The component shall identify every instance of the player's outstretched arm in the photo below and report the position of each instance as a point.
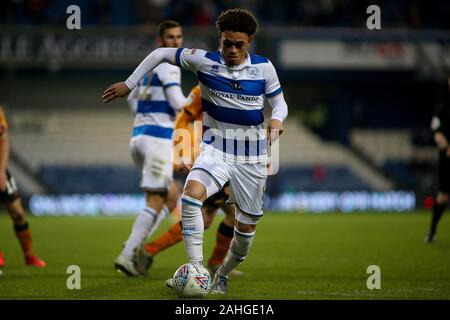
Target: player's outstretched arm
(156, 57)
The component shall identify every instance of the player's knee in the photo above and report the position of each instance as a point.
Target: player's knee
(171, 204)
(18, 218)
(195, 190)
(245, 228)
(244, 222)
(16, 212)
(229, 218)
(155, 200)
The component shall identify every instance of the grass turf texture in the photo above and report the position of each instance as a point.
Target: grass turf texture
(294, 256)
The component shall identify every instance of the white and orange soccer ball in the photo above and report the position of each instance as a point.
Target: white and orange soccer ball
(191, 281)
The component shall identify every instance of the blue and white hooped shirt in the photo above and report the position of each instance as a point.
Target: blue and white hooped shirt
(154, 115)
(233, 102)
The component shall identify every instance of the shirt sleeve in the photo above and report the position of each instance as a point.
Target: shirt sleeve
(169, 75)
(273, 86)
(279, 107)
(176, 98)
(190, 59)
(150, 62)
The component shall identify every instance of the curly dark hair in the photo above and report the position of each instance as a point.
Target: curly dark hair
(237, 20)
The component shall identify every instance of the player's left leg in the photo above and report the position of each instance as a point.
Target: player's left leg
(153, 156)
(247, 189)
(206, 178)
(438, 210)
(10, 198)
(2, 260)
(442, 197)
(158, 207)
(23, 232)
(224, 235)
(244, 233)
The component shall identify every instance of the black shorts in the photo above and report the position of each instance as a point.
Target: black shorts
(444, 173)
(12, 192)
(217, 199)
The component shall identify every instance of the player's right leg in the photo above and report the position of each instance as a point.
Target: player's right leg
(438, 210)
(174, 234)
(206, 178)
(194, 195)
(242, 241)
(2, 260)
(157, 183)
(10, 199)
(224, 236)
(247, 186)
(146, 253)
(442, 197)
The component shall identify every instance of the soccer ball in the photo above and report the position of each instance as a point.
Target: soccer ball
(191, 280)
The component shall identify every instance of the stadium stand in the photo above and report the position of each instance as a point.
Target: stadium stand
(394, 151)
(86, 151)
(68, 137)
(301, 147)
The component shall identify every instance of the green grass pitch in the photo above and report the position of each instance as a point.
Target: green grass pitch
(294, 256)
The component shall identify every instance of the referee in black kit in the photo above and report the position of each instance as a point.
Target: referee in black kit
(441, 128)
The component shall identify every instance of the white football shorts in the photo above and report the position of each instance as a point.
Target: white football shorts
(247, 181)
(154, 158)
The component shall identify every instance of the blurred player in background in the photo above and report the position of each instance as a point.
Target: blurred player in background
(233, 86)
(191, 113)
(155, 100)
(441, 127)
(9, 196)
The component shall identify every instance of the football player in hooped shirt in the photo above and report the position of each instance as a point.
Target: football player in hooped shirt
(233, 85)
(155, 100)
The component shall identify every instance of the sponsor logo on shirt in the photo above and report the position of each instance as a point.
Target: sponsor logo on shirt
(215, 68)
(233, 96)
(236, 85)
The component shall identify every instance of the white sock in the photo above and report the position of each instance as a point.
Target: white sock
(142, 226)
(161, 216)
(192, 226)
(239, 248)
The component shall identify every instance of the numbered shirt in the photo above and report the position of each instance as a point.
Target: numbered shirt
(154, 115)
(232, 100)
